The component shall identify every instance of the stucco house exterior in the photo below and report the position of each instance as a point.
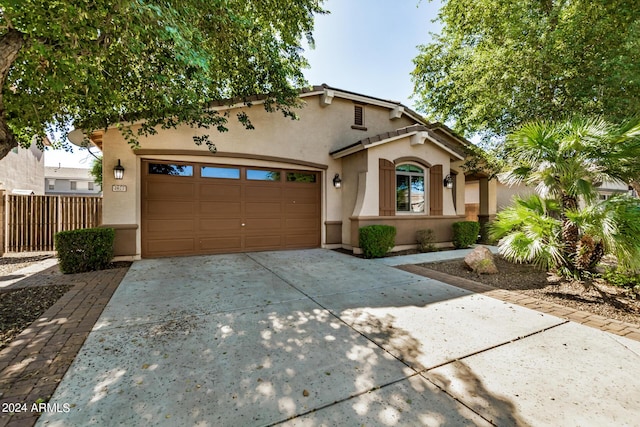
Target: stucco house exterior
(22, 171)
(350, 160)
(504, 194)
(65, 181)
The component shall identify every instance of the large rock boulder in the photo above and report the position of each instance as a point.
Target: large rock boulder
(480, 261)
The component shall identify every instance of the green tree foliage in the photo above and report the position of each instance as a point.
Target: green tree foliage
(564, 226)
(96, 170)
(499, 64)
(99, 63)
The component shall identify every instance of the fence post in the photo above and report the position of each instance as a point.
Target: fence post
(3, 224)
(58, 214)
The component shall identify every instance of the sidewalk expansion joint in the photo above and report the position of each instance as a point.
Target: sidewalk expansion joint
(484, 350)
(460, 401)
(611, 337)
(335, 402)
(416, 372)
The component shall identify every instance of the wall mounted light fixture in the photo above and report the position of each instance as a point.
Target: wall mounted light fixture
(118, 171)
(337, 182)
(448, 181)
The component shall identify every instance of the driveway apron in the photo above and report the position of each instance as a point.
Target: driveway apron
(315, 337)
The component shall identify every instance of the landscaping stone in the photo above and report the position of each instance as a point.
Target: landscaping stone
(480, 261)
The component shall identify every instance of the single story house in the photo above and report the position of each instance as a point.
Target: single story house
(349, 161)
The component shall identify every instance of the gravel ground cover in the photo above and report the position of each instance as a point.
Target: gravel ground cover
(23, 302)
(10, 263)
(609, 301)
(20, 307)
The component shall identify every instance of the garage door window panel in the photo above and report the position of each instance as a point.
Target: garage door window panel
(301, 177)
(263, 175)
(220, 173)
(170, 169)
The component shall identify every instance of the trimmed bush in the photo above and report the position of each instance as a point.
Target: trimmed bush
(465, 233)
(377, 240)
(83, 250)
(425, 240)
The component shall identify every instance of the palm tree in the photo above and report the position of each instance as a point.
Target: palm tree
(566, 162)
(529, 232)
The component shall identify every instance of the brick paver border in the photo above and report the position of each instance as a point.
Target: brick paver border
(33, 365)
(628, 330)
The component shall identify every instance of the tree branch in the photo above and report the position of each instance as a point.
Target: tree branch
(10, 45)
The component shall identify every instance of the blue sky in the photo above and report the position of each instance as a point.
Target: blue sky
(368, 46)
(364, 46)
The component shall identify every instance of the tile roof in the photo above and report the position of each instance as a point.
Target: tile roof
(457, 146)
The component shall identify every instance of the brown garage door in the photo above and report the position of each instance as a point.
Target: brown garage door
(191, 208)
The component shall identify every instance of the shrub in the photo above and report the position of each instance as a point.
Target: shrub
(377, 240)
(425, 240)
(83, 250)
(465, 233)
(627, 280)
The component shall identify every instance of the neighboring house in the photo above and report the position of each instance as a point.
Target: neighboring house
(608, 189)
(22, 171)
(349, 161)
(504, 194)
(70, 182)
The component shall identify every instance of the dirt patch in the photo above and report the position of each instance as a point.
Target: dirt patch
(28, 299)
(21, 307)
(613, 302)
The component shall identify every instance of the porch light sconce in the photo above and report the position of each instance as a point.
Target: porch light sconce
(448, 181)
(118, 171)
(337, 182)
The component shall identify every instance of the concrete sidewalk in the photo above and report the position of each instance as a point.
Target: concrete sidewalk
(320, 338)
(429, 256)
(17, 278)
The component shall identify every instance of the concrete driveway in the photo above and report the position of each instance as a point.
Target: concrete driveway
(315, 338)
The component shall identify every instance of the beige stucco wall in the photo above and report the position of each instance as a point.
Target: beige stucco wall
(354, 171)
(23, 170)
(472, 192)
(460, 194)
(400, 148)
(275, 141)
(361, 198)
(505, 194)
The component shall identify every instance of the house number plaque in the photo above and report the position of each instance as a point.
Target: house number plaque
(120, 188)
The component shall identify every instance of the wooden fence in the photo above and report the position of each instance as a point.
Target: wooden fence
(32, 221)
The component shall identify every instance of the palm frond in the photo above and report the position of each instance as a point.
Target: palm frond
(527, 233)
(569, 157)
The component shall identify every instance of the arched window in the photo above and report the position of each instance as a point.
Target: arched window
(410, 189)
